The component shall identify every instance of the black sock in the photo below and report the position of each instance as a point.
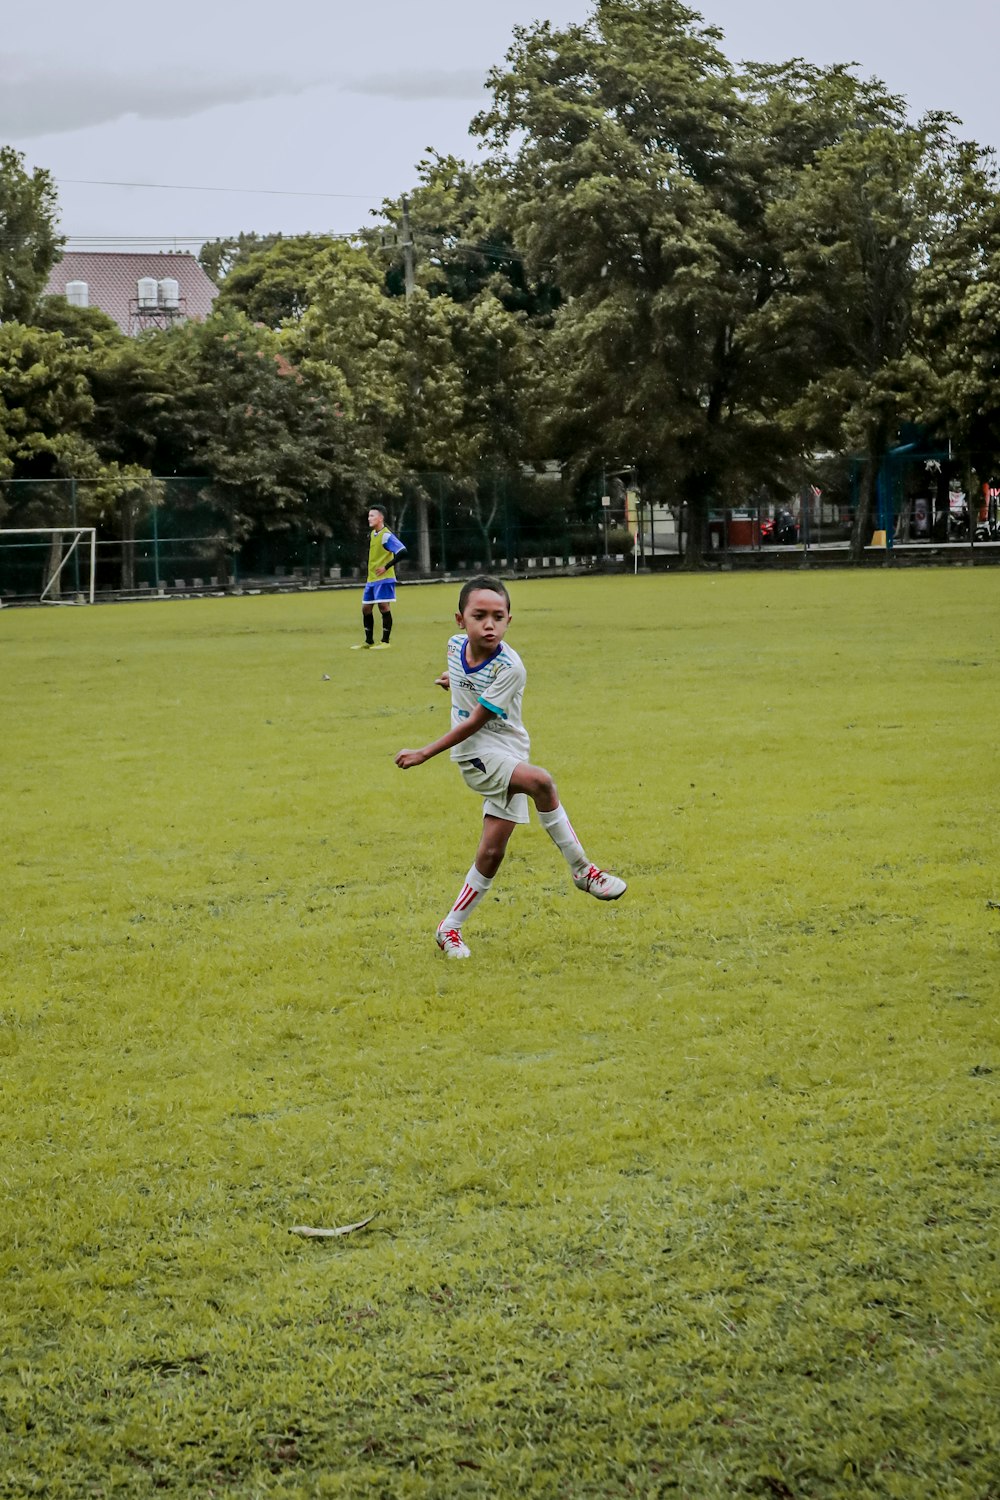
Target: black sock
(369, 624)
(386, 625)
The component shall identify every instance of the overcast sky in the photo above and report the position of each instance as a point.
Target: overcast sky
(338, 100)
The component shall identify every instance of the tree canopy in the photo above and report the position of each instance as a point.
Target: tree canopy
(679, 205)
(29, 244)
(272, 285)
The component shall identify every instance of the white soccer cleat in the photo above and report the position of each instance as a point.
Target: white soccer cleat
(600, 883)
(449, 940)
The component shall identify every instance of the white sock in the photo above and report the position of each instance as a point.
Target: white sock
(468, 898)
(560, 831)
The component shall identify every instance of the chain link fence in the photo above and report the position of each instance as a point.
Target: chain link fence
(174, 536)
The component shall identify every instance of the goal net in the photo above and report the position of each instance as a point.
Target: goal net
(52, 564)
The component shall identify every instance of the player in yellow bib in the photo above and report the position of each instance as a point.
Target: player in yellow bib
(380, 588)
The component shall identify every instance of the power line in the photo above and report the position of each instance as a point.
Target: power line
(146, 240)
(191, 187)
(492, 249)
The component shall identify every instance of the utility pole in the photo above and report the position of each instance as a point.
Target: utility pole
(410, 284)
(409, 278)
(605, 507)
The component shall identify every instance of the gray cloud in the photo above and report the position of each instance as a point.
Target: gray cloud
(39, 100)
(421, 83)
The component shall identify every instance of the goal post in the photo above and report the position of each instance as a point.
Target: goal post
(58, 544)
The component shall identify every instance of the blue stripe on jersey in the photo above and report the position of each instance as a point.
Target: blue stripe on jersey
(492, 708)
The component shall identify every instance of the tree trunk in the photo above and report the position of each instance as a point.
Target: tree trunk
(52, 573)
(485, 524)
(128, 543)
(423, 534)
(694, 488)
(971, 486)
(868, 496)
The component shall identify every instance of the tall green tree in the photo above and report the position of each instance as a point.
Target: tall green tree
(429, 384)
(862, 227)
(471, 372)
(134, 388)
(125, 380)
(469, 338)
(45, 405)
(957, 308)
(29, 244)
(264, 431)
(52, 435)
(351, 339)
(641, 167)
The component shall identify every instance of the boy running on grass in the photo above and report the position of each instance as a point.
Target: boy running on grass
(490, 744)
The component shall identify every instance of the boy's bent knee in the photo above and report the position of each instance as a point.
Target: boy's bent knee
(537, 784)
(544, 784)
(534, 781)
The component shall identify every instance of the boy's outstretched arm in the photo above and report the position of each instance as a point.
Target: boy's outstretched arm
(479, 716)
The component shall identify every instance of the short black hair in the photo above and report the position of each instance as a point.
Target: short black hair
(483, 581)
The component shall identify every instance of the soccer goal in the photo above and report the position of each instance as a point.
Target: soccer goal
(37, 558)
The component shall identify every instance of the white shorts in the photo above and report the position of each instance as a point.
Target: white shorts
(489, 776)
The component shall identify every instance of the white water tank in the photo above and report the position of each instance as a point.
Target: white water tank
(170, 293)
(78, 294)
(147, 291)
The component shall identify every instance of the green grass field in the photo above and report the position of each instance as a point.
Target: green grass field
(691, 1195)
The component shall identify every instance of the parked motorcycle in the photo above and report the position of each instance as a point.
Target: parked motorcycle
(786, 531)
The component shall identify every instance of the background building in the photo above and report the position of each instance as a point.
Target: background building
(138, 290)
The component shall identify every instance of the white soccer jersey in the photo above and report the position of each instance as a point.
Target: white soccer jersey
(497, 683)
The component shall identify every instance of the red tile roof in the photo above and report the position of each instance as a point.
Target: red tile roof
(111, 278)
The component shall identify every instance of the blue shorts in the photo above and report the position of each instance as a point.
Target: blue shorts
(382, 591)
